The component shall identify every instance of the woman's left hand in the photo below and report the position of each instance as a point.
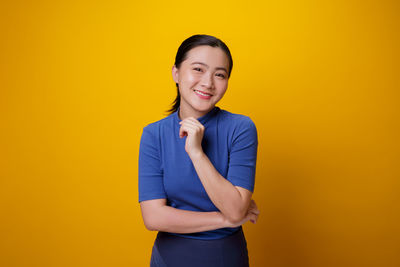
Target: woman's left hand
(194, 131)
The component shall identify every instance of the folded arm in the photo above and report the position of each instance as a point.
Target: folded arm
(232, 201)
(157, 216)
(229, 194)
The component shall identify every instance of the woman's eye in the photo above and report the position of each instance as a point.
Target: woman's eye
(197, 69)
(221, 75)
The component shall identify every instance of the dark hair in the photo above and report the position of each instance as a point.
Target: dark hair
(190, 43)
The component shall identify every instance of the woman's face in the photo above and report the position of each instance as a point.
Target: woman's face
(202, 78)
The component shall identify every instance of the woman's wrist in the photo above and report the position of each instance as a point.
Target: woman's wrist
(226, 223)
(195, 155)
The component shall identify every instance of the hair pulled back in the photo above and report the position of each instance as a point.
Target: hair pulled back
(187, 45)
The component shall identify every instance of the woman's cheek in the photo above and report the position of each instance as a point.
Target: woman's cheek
(192, 78)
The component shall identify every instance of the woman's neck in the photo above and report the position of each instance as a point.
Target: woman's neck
(183, 113)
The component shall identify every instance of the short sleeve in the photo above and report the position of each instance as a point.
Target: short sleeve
(243, 155)
(151, 184)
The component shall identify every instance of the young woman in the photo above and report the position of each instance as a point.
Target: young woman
(197, 166)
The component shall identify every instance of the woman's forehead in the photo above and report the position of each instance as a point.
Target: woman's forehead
(212, 56)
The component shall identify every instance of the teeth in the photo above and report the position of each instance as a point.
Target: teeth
(200, 93)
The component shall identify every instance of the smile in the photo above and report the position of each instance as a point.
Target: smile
(202, 94)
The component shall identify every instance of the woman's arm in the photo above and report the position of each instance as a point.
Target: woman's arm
(233, 201)
(157, 216)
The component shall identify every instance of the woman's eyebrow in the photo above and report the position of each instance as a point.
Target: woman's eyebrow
(204, 64)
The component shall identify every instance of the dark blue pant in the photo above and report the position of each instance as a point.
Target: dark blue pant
(175, 251)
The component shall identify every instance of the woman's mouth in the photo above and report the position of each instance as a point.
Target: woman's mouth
(202, 95)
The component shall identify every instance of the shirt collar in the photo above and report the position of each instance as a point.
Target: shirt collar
(203, 119)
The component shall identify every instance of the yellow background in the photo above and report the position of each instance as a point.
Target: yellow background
(80, 79)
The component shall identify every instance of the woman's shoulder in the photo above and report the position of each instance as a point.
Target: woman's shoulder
(155, 125)
(236, 119)
(238, 127)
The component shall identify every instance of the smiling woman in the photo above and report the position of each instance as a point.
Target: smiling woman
(202, 76)
(197, 166)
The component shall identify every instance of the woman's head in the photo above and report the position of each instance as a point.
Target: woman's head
(203, 65)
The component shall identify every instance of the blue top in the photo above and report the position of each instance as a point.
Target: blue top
(166, 170)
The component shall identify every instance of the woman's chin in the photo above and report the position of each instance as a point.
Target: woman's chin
(204, 105)
(204, 108)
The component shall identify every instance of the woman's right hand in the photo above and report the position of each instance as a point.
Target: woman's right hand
(251, 215)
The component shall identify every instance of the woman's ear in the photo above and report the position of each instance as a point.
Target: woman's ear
(175, 73)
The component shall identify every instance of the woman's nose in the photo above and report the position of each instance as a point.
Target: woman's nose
(207, 80)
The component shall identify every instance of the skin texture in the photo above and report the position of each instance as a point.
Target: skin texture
(204, 69)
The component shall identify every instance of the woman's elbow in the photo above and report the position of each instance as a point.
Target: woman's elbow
(236, 217)
(155, 222)
(150, 224)
(150, 227)
(150, 213)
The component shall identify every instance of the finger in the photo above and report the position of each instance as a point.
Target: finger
(253, 203)
(252, 206)
(193, 123)
(183, 131)
(256, 216)
(190, 128)
(199, 126)
(186, 130)
(253, 218)
(255, 211)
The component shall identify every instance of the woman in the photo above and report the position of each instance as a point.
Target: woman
(197, 166)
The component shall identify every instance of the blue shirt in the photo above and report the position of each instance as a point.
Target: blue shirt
(166, 170)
